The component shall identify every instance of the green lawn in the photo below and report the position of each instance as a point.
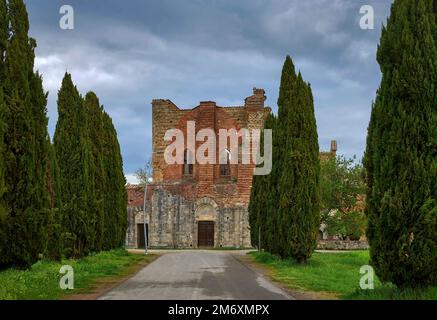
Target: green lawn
(42, 280)
(337, 274)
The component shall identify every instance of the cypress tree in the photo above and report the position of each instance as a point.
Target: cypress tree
(299, 168)
(97, 174)
(3, 210)
(285, 204)
(4, 32)
(285, 100)
(401, 154)
(3, 41)
(262, 199)
(54, 230)
(42, 140)
(256, 194)
(25, 148)
(73, 157)
(115, 195)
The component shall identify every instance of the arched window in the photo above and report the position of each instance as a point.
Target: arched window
(225, 163)
(188, 163)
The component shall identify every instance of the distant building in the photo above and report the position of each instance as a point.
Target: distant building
(331, 153)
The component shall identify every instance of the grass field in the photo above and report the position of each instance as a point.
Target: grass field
(337, 274)
(41, 282)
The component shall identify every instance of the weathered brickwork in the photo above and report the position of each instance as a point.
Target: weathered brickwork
(177, 202)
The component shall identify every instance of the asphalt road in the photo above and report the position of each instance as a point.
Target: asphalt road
(196, 275)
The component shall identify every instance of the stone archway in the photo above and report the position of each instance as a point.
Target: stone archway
(206, 214)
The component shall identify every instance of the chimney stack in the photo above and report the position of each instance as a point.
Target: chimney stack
(256, 101)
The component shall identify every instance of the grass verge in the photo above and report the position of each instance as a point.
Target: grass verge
(337, 274)
(41, 281)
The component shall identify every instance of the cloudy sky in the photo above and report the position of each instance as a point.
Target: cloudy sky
(130, 52)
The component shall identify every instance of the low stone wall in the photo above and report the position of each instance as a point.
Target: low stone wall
(342, 245)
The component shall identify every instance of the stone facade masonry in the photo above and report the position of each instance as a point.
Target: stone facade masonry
(342, 245)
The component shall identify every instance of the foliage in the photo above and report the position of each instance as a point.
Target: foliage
(52, 196)
(401, 156)
(73, 156)
(286, 203)
(91, 168)
(3, 209)
(347, 224)
(54, 246)
(261, 205)
(25, 155)
(336, 275)
(94, 113)
(144, 174)
(41, 281)
(115, 194)
(341, 185)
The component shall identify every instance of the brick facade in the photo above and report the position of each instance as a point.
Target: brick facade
(177, 201)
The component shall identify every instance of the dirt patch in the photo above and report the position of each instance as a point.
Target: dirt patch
(267, 271)
(103, 285)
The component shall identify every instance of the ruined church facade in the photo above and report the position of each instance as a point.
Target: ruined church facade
(196, 205)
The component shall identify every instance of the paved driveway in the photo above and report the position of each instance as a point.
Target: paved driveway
(197, 275)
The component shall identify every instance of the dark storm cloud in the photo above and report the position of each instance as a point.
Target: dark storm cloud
(130, 52)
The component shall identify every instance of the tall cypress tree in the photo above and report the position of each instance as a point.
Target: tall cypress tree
(26, 151)
(282, 136)
(97, 174)
(299, 168)
(401, 155)
(3, 42)
(286, 203)
(115, 191)
(73, 157)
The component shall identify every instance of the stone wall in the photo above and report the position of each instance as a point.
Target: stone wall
(342, 245)
(173, 221)
(135, 216)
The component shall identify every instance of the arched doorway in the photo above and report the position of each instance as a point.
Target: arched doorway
(206, 227)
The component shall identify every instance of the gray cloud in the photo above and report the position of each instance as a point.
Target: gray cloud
(130, 52)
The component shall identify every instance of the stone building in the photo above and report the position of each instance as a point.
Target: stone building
(196, 205)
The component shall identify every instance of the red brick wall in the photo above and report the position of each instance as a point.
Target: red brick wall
(206, 179)
(135, 196)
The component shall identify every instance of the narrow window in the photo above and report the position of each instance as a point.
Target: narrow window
(188, 166)
(225, 168)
